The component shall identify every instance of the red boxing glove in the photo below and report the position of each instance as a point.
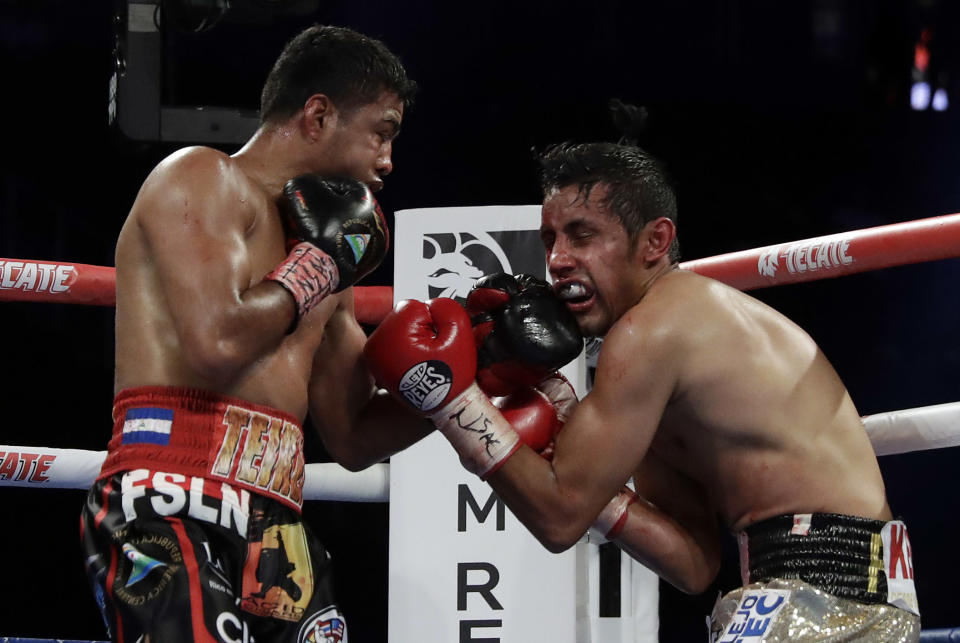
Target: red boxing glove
(538, 413)
(424, 354)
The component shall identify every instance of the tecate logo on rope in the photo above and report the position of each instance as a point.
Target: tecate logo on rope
(803, 257)
(36, 277)
(25, 466)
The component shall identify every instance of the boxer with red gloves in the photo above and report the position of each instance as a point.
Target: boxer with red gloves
(337, 235)
(727, 416)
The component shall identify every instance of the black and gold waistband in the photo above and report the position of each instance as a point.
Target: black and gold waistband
(841, 555)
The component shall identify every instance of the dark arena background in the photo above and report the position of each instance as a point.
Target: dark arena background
(778, 121)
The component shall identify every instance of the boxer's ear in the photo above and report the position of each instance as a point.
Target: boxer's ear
(319, 116)
(656, 239)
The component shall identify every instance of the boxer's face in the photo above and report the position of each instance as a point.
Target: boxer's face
(361, 142)
(589, 256)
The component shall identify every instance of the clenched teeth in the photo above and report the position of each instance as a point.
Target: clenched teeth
(572, 290)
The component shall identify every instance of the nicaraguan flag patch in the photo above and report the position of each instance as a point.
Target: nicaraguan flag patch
(147, 426)
(358, 243)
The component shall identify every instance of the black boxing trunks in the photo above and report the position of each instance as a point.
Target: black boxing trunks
(821, 577)
(192, 531)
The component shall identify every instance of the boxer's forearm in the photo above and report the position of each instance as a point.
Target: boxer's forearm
(385, 427)
(555, 514)
(375, 432)
(687, 557)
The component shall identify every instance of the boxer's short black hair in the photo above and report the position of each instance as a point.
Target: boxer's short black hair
(350, 68)
(638, 188)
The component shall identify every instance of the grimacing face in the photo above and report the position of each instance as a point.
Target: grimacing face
(361, 145)
(589, 256)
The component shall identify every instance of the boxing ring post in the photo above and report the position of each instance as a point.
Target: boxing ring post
(474, 579)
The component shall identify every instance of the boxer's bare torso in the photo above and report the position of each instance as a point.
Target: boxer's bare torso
(202, 233)
(722, 410)
(194, 309)
(757, 417)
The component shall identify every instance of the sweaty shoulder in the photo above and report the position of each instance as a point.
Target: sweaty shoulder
(192, 182)
(680, 314)
(672, 308)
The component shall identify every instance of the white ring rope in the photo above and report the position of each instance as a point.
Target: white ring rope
(926, 427)
(42, 467)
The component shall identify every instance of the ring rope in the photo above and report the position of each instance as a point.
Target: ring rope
(85, 284)
(928, 427)
(43, 467)
(806, 260)
(834, 255)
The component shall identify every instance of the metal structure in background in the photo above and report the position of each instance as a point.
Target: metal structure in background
(136, 91)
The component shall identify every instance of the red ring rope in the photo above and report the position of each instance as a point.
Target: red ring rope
(897, 244)
(79, 283)
(786, 263)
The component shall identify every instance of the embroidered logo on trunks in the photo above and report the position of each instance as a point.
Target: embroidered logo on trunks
(261, 452)
(327, 626)
(172, 494)
(147, 426)
(141, 575)
(755, 615)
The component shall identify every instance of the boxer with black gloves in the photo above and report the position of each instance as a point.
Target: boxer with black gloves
(234, 318)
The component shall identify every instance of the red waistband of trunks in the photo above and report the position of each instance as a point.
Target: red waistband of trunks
(202, 433)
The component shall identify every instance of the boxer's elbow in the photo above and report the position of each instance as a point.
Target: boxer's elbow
(214, 358)
(353, 459)
(558, 545)
(698, 580)
(698, 573)
(559, 533)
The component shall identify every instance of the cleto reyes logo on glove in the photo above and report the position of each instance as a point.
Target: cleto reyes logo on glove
(425, 385)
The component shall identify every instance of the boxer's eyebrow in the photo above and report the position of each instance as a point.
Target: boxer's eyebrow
(394, 123)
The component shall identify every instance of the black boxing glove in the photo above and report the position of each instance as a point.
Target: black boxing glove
(522, 330)
(337, 235)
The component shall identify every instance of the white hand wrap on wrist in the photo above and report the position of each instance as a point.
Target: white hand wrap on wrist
(474, 426)
(559, 392)
(611, 520)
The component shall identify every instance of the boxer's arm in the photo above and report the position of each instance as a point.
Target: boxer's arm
(602, 443)
(671, 528)
(194, 224)
(358, 424)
